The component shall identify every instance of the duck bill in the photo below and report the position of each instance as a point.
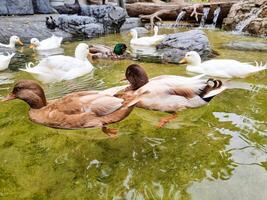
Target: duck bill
(123, 79)
(32, 46)
(11, 96)
(183, 61)
(19, 42)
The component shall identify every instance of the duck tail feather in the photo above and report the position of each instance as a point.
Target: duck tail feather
(28, 67)
(213, 87)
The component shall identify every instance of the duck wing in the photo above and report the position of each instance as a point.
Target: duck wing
(52, 42)
(77, 110)
(229, 68)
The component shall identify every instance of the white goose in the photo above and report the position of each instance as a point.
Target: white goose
(5, 60)
(143, 41)
(59, 67)
(53, 42)
(224, 68)
(12, 42)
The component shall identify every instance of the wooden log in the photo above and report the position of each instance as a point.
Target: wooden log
(136, 9)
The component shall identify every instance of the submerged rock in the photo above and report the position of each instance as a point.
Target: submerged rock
(247, 46)
(174, 46)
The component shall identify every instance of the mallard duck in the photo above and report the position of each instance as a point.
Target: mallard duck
(53, 42)
(102, 51)
(77, 110)
(59, 67)
(169, 93)
(5, 60)
(143, 41)
(50, 23)
(156, 30)
(12, 42)
(224, 68)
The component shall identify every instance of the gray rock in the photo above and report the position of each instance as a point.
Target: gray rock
(27, 27)
(3, 7)
(21, 7)
(43, 7)
(93, 30)
(101, 18)
(174, 46)
(247, 46)
(133, 22)
(111, 16)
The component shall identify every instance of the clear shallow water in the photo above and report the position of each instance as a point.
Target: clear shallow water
(214, 152)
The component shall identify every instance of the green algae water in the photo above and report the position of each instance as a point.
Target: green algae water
(215, 152)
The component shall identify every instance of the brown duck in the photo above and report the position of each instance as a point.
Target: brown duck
(78, 110)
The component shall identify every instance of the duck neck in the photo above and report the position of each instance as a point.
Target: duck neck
(195, 62)
(156, 32)
(12, 43)
(35, 100)
(134, 35)
(80, 55)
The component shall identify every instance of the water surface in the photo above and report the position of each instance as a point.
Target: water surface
(215, 151)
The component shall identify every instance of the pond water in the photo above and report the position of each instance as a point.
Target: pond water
(215, 152)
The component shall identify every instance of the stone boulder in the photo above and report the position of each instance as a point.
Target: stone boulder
(247, 46)
(112, 17)
(43, 7)
(94, 20)
(248, 16)
(15, 7)
(80, 25)
(174, 46)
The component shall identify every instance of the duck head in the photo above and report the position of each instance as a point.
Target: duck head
(34, 43)
(82, 51)
(156, 30)
(137, 76)
(120, 48)
(14, 40)
(30, 92)
(192, 58)
(133, 33)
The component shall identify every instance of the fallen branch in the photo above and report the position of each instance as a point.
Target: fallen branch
(154, 16)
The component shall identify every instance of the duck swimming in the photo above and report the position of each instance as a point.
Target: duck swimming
(53, 42)
(144, 41)
(77, 110)
(156, 30)
(12, 42)
(5, 60)
(169, 93)
(59, 67)
(104, 52)
(224, 68)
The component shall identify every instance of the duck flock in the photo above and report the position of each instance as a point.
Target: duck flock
(87, 109)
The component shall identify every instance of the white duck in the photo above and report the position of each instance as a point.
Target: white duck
(156, 30)
(59, 67)
(53, 42)
(5, 60)
(12, 42)
(143, 41)
(224, 68)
